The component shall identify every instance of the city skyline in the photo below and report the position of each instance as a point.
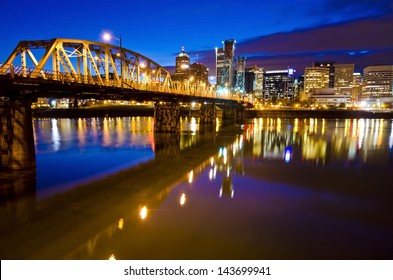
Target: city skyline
(270, 34)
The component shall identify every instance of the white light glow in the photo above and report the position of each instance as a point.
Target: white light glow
(143, 212)
(182, 199)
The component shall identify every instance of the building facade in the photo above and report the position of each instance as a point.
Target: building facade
(378, 83)
(343, 79)
(188, 75)
(182, 66)
(329, 65)
(315, 78)
(224, 67)
(279, 84)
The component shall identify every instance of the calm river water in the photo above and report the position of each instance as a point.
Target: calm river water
(271, 188)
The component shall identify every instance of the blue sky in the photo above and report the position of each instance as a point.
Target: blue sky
(272, 34)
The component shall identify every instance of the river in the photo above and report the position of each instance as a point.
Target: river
(271, 188)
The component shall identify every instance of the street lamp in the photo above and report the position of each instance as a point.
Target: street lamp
(107, 37)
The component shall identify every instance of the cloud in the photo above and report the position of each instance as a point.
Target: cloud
(363, 42)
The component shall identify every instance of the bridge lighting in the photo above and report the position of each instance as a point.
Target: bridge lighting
(142, 65)
(107, 38)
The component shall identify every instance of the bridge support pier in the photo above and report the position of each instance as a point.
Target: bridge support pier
(16, 134)
(233, 113)
(208, 113)
(167, 117)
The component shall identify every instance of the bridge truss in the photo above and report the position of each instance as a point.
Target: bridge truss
(96, 64)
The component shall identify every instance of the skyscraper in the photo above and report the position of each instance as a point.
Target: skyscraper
(220, 57)
(182, 66)
(224, 66)
(241, 74)
(254, 81)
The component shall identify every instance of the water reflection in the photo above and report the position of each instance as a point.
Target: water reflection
(273, 188)
(71, 152)
(17, 199)
(322, 141)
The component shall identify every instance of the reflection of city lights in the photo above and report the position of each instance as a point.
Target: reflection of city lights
(361, 132)
(211, 172)
(190, 176)
(288, 154)
(143, 212)
(193, 125)
(225, 154)
(182, 199)
(55, 135)
(391, 137)
(120, 225)
(112, 257)
(211, 161)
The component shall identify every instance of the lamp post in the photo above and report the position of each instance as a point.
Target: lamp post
(107, 37)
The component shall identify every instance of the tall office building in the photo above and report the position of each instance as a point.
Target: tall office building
(357, 85)
(343, 78)
(182, 66)
(315, 78)
(279, 83)
(199, 71)
(220, 58)
(329, 65)
(241, 75)
(186, 73)
(224, 67)
(299, 88)
(254, 81)
(378, 83)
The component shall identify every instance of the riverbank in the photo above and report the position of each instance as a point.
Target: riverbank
(329, 114)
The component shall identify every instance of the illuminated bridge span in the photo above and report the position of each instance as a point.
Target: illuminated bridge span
(82, 69)
(91, 68)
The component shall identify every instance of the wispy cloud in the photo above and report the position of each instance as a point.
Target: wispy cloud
(363, 42)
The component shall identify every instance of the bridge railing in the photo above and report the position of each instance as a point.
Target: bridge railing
(26, 72)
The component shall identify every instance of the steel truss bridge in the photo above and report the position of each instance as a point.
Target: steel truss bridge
(86, 69)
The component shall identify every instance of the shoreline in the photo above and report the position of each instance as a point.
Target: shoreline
(148, 111)
(328, 114)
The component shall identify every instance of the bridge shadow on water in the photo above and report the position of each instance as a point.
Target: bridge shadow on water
(69, 225)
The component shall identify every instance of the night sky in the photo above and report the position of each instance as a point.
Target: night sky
(271, 34)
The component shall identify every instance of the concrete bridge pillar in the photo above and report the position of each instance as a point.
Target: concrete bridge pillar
(16, 134)
(167, 117)
(235, 113)
(208, 113)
